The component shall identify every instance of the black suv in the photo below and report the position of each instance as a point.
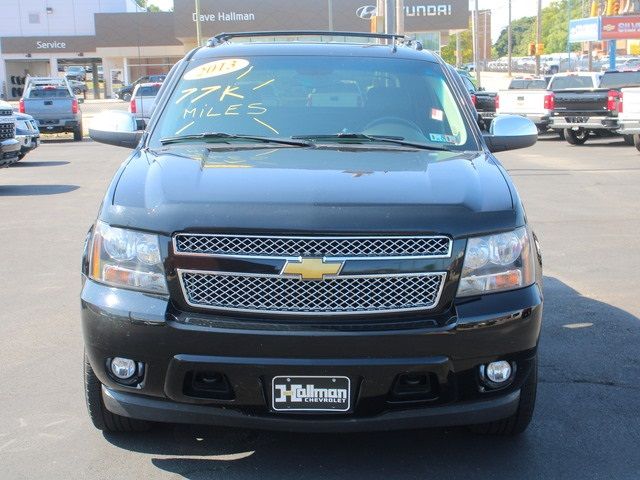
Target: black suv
(312, 236)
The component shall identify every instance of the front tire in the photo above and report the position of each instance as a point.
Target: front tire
(576, 137)
(102, 418)
(126, 97)
(628, 139)
(636, 141)
(519, 421)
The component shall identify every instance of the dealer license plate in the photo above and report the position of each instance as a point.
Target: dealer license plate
(317, 394)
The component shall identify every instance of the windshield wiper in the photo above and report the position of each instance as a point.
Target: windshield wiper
(226, 137)
(372, 138)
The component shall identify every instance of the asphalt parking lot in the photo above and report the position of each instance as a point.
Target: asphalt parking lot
(584, 205)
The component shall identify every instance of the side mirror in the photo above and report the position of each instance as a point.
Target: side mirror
(115, 127)
(509, 132)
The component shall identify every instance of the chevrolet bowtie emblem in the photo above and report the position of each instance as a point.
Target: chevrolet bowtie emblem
(311, 268)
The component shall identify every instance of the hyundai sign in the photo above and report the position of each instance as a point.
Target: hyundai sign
(585, 30)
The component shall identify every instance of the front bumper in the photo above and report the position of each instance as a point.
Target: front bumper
(463, 413)
(9, 150)
(586, 122)
(172, 344)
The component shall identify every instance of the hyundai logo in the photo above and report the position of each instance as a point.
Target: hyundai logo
(366, 11)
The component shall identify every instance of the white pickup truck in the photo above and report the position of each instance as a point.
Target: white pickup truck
(538, 104)
(143, 100)
(527, 97)
(629, 113)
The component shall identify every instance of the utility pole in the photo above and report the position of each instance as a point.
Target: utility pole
(538, 36)
(198, 27)
(484, 34)
(509, 46)
(458, 56)
(474, 34)
(330, 8)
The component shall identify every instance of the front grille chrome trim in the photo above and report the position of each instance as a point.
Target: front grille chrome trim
(440, 276)
(381, 238)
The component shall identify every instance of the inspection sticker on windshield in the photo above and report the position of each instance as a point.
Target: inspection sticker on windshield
(441, 138)
(437, 114)
(217, 68)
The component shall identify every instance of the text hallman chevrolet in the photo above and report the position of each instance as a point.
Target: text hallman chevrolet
(312, 236)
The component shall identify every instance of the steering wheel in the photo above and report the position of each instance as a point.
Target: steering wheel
(394, 121)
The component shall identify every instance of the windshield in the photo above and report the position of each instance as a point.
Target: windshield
(571, 81)
(527, 84)
(288, 96)
(620, 80)
(49, 92)
(148, 91)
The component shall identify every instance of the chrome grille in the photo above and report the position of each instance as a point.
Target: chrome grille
(6, 112)
(7, 130)
(334, 295)
(273, 246)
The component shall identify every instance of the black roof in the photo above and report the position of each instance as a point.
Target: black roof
(309, 48)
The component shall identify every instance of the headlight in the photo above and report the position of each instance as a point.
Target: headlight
(127, 258)
(497, 262)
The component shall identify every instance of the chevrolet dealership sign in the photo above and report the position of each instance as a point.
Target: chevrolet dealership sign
(217, 16)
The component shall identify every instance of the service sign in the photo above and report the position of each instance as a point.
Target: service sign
(621, 28)
(585, 30)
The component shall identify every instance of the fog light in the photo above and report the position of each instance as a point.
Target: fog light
(499, 372)
(123, 368)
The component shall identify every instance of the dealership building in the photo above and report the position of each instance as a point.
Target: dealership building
(41, 37)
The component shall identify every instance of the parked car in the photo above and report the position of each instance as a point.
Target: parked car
(9, 146)
(53, 105)
(27, 134)
(529, 98)
(261, 262)
(77, 87)
(593, 107)
(143, 100)
(127, 90)
(629, 113)
(483, 101)
(76, 72)
(466, 73)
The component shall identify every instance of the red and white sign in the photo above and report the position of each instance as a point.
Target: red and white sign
(621, 28)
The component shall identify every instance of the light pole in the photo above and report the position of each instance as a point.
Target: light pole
(538, 36)
(198, 30)
(474, 34)
(400, 17)
(509, 47)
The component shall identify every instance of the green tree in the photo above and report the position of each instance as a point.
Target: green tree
(145, 4)
(555, 29)
(448, 52)
(520, 37)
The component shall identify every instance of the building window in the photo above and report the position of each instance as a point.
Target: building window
(34, 18)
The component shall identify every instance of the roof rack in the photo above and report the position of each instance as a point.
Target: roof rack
(225, 37)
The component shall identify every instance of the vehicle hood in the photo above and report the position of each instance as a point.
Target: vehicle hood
(303, 190)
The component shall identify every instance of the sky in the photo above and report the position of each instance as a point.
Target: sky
(499, 10)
